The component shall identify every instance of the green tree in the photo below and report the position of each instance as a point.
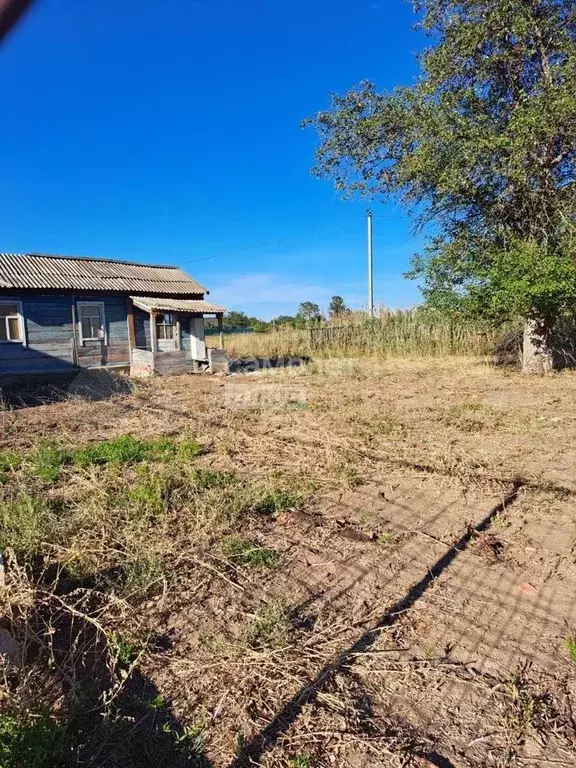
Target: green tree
(337, 307)
(309, 311)
(284, 320)
(235, 319)
(483, 147)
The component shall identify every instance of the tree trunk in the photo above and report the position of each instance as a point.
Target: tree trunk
(536, 354)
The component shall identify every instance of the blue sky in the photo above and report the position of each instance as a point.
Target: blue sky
(169, 131)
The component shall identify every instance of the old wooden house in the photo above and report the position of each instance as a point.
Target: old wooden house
(61, 314)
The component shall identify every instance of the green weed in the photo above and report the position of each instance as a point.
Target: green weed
(300, 761)
(125, 650)
(472, 417)
(271, 501)
(570, 645)
(30, 741)
(270, 627)
(205, 479)
(142, 577)
(243, 552)
(10, 461)
(157, 703)
(190, 740)
(47, 462)
(25, 522)
(385, 539)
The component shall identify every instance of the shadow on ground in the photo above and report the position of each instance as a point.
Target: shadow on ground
(104, 712)
(251, 751)
(251, 364)
(92, 386)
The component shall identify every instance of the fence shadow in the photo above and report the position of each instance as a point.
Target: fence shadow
(252, 750)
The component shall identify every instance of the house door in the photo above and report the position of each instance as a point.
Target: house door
(166, 332)
(197, 343)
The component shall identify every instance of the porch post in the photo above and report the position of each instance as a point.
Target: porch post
(131, 328)
(220, 330)
(153, 342)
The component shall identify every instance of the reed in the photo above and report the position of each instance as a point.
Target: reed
(390, 334)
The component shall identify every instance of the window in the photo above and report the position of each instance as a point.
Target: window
(164, 326)
(11, 326)
(91, 319)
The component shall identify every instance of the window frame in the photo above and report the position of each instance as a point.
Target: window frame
(171, 325)
(100, 305)
(20, 315)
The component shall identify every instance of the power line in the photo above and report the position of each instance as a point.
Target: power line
(280, 240)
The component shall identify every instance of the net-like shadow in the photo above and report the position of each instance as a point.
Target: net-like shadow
(253, 749)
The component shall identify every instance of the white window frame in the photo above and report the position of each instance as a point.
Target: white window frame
(18, 304)
(100, 304)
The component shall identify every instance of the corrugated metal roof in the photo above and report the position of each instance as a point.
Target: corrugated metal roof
(175, 305)
(32, 270)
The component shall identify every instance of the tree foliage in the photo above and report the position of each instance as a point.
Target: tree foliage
(309, 311)
(337, 307)
(482, 146)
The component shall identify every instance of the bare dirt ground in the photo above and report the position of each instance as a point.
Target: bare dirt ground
(424, 596)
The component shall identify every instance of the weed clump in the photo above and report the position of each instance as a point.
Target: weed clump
(270, 627)
(271, 501)
(129, 450)
(570, 644)
(243, 552)
(30, 741)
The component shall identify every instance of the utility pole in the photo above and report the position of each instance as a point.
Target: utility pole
(370, 266)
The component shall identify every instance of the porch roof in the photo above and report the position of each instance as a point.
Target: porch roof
(168, 304)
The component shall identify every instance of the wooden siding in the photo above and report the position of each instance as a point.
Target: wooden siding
(172, 362)
(49, 335)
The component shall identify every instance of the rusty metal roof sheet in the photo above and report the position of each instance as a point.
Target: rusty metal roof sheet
(34, 270)
(176, 305)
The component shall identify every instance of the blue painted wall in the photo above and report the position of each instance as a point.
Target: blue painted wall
(50, 338)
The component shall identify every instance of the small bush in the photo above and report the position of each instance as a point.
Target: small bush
(243, 552)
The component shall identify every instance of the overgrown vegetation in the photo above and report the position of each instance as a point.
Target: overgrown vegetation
(105, 523)
(390, 334)
(482, 145)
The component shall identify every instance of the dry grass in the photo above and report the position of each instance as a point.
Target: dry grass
(390, 334)
(172, 592)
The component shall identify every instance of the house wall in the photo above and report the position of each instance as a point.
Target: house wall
(142, 329)
(50, 339)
